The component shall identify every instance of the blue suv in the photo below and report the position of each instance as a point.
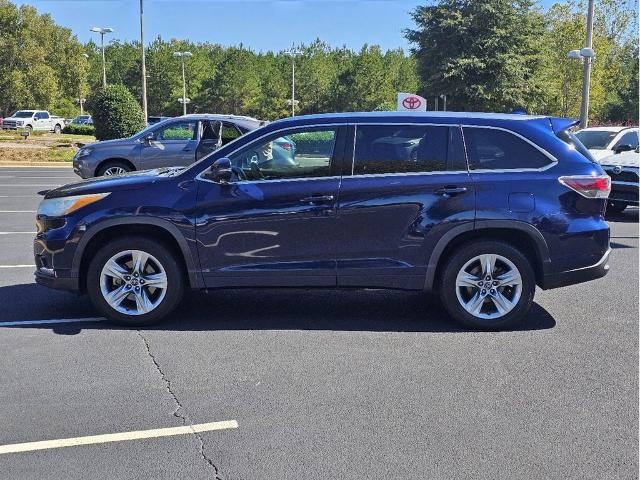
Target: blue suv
(478, 208)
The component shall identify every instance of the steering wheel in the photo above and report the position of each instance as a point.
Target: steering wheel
(239, 173)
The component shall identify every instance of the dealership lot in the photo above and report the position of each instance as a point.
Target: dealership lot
(322, 384)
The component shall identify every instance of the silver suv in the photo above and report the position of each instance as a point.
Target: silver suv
(175, 142)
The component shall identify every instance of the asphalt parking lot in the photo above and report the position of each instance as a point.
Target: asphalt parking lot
(322, 384)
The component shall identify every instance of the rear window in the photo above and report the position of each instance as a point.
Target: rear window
(572, 139)
(492, 149)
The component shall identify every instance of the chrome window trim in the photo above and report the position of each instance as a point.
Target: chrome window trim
(286, 129)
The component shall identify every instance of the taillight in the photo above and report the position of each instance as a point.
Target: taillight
(286, 146)
(590, 187)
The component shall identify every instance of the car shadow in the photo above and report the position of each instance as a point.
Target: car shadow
(629, 215)
(261, 309)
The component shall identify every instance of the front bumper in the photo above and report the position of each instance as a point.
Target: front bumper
(624, 192)
(579, 275)
(51, 280)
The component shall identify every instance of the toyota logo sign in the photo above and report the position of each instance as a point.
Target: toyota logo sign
(411, 103)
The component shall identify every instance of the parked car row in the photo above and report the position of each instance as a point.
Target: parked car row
(477, 208)
(616, 149)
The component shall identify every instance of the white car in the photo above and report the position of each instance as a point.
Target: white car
(603, 141)
(623, 170)
(34, 120)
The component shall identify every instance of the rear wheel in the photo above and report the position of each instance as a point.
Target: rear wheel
(113, 168)
(135, 281)
(487, 285)
(616, 207)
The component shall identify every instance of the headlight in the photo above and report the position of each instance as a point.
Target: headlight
(19, 122)
(58, 207)
(83, 152)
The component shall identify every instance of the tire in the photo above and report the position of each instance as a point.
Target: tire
(616, 207)
(126, 288)
(454, 289)
(57, 129)
(113, 167)
(28, 128)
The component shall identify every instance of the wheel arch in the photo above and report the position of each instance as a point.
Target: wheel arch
(113, 159)
(155, 228)
(521, 235)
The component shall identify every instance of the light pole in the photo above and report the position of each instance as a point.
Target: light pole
(293, 53)
(102, 32)
(81, 79)
(144, 66)
(184, 100)
(587, 55)
(443, 96)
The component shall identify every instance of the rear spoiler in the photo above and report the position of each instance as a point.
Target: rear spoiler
(559, 124)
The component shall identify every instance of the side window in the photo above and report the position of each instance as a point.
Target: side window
(491, 149)
(300, 154)
(406, 148)
(42, 115)
(229, 133)
(182, 131)
(629, 138)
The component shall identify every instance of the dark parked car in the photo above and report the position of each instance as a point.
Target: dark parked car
(176, 141)
(82, 120)
(481, 209)
(623, 169)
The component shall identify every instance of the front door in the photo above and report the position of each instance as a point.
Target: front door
(173, 145)
(274, 223)
(410, 185)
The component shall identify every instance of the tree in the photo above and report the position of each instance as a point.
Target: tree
(116, 113)
(482, 53)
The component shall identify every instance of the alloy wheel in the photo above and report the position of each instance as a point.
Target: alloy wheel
(133, 282)
(489, 286)
(114, 171)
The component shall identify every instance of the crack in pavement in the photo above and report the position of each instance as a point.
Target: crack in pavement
(184, 417)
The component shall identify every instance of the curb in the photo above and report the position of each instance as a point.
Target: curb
(37, 164)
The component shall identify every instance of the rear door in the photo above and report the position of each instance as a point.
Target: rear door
(409, 185)
(173, 145)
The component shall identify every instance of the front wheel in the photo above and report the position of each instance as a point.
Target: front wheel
(113, 168)
(57, 129)
(135, 281)
(487, 285)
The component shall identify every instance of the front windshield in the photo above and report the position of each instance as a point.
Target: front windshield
(23, 114)
(596, 139)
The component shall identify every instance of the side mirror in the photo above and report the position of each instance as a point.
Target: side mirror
(148, 138)
(625, 147)
(220, 171)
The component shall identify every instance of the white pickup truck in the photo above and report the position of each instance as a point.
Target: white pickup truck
(33, 120)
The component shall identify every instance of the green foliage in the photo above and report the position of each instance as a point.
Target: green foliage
(116, 113)
(73, 129)
(483, 54)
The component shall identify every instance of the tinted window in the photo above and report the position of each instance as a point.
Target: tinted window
(596, 139)
(404, 148)
(177, 131)
(491, 149)
(302, 154)
(43, 115)
(229, 133)
(629, 138)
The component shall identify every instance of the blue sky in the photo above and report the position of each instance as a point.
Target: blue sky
(258, 24)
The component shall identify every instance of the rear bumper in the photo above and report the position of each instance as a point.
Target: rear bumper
(579, 275)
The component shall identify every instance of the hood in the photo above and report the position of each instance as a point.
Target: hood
(624, 159)
(110, 143)
(130, 181)
(599, 154)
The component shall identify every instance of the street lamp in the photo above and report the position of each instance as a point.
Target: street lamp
(184, 100)
(144, 64)
(443, 96)
(293, 53)
(81, 77)
(587, 56)
(102, 32)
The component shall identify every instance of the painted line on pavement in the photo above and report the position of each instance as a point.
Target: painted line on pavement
(17, 233)
(18, 211)
(28, 185)
(35, 195)
(17, 266)
(118, 437)
(18, 323)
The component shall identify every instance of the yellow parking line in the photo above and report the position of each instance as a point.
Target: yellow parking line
(117, 437)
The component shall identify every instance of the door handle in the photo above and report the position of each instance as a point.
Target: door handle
(318, 199)
(450, 190)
